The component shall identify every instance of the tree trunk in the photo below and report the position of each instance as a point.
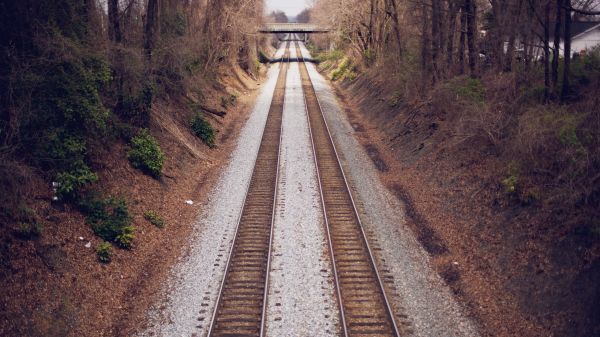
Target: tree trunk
(369, 39)
(114, 26)
(425, 43)
(462, 41)
(567, 66)
(435, 37)
(152, 29)
(498, 35)
(556, 51)
(515, 13)
(396, 25)
(547, 51)
(471, 11)
(453, 9)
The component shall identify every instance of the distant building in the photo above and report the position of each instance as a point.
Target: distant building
(584, 37)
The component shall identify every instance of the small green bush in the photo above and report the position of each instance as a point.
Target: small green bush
(369, 56)
(510, 184)
(30, 231)
(331, 56)
(58, 147)
(136, 108)
(341, 71)
(511, 181)
(109, 219)
(146, 155)
(104, 252)
(70, 182)
(154, 218)
(64, 154)
(227, 101)
(23, 213)
(203, 130)
(470, 89)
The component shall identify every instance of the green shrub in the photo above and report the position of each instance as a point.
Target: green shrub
(104, 252)
(470, 89)
(136, 108)
(109, 219)
(70, 182)
(331, 56)
(341, 70)
(23, 213)
(58, 147)
(203, 130)
(567, 133)
(146, 155)
(511, 181)
(29, 231)
(154, 218)
(70, 91)
(510, 184)
(194, 66)
(369, 56)
(174, 24)
(64, 154)
(227, 101)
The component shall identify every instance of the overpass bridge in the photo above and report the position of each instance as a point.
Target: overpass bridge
(291, 28)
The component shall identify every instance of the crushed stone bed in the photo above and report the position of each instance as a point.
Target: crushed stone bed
(424, 303)
(301, 301)
(190, 293)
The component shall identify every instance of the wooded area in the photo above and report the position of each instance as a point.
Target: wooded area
(464, 36)
(74, 72)
(478, 103)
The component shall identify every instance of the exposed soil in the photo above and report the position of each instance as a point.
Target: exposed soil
(54, 285)
(511, 264)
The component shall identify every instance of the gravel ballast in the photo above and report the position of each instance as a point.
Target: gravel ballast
(301, 298)
(190, 293)
(420, 297)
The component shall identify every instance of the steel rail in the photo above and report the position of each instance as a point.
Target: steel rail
(389, 310)
(231, 250)
(329, 242)
(265, 297)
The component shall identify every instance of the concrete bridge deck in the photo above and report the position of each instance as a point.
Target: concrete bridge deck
(292, 28)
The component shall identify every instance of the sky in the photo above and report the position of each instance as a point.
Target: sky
(290, 7)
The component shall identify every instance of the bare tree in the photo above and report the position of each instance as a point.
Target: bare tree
(114, 27)
(152, 28)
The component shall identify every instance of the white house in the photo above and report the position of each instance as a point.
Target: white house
(586, 40)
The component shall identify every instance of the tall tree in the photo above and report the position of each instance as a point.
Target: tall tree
(435, 36)
(393, 12)
(114, 26)
(462, 40)
(451, 27)
(152, 29)
(547, 50)
(557, 37)
(471, 12)
(567, 56)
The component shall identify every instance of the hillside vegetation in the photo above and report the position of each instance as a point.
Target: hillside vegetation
(497, 146)
(109, 112)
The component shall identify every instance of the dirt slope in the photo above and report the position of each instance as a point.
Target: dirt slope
(54, 285)
(514, 266)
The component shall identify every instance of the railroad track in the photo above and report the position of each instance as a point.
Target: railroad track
(240, 309)
(364, 307)
(241, 305)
